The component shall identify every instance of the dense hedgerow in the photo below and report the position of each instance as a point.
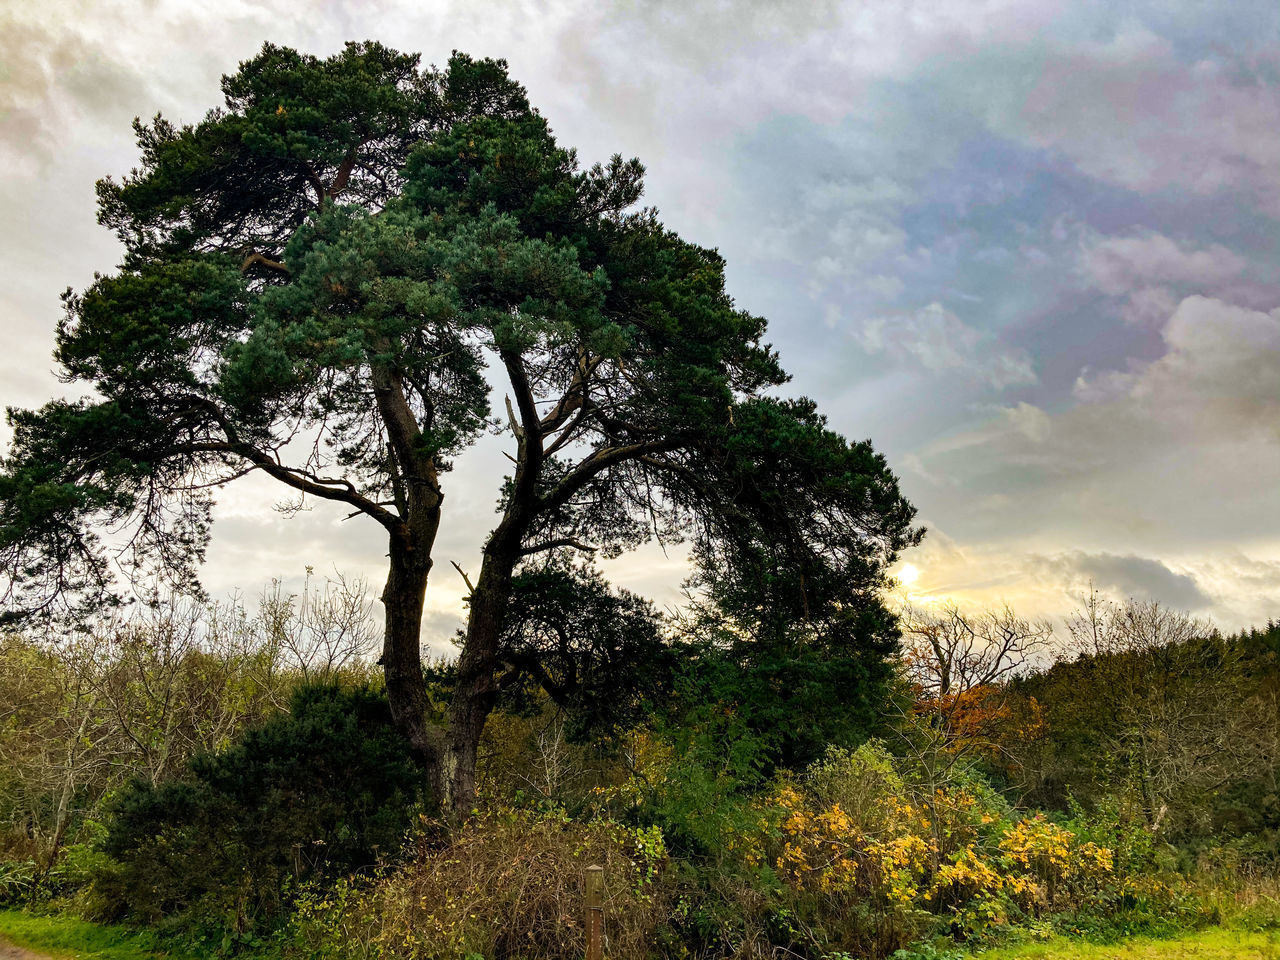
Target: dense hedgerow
(299, 837)
(855, 857)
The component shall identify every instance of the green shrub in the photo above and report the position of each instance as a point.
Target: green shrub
(324, 790)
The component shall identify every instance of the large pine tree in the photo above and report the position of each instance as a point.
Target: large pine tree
(320, 280)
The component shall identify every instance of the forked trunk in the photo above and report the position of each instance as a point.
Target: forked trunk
(447, 754)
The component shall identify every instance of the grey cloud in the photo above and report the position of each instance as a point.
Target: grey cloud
(1128, 576)
(50, 81)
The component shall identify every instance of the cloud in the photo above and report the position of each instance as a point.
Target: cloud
(1029, 420)
(1126, 576)
(1167, 458)
(936, 339)
(1219, 376)
(1061, 185)
(1131, 110)
(1150, 271)
(1120, 265)
(52, 81)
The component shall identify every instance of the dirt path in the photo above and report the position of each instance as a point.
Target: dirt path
(9, 952)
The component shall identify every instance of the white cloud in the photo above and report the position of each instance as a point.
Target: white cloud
(1124, 264)
(1165, 459)
(1030, 421)
(1219, 376)
(936, 339)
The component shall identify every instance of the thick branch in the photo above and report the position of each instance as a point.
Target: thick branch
(567, 433)
(403, 432)
(554, 544)
(341, 490)
(343, 174)
(257, 258)
(529, 458)
(598, 462)
(574, 397)
(529, 422)
(316, 184)
(327, 489)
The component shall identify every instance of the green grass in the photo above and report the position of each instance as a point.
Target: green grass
(1215, 944)
(66, 937)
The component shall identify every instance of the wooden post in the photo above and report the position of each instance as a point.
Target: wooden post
(595, 913)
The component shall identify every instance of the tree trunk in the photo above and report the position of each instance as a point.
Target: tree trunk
(476, 688)
(403, 598)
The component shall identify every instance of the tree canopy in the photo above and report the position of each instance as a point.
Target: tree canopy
(321, 281)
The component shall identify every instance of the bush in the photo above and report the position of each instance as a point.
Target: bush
(856, 858)
(509, 883)
(324, 790)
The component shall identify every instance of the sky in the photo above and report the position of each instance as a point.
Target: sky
(1030, 249)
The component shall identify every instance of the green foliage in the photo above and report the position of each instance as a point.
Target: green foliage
(322, 791)
(751, 703)
(1163, 715)
(597, 653)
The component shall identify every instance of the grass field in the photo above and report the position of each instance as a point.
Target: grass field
(1217, 944)
(65, 937)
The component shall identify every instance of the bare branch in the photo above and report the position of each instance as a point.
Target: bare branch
(465, 579)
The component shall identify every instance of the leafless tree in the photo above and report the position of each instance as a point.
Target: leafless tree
(957, 664)
(948, 651)
(139, 695)
(325, 629)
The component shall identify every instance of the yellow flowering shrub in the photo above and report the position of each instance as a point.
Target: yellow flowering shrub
(824, 848)
(856, 835)
(1052, 862)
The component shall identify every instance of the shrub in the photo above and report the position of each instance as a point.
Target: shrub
(509, 883)
(323, 790)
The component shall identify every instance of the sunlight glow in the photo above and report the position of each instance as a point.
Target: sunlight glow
(909, 574)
